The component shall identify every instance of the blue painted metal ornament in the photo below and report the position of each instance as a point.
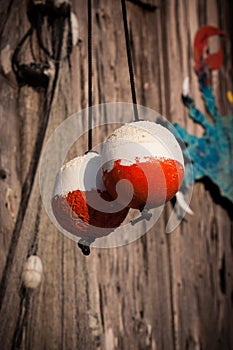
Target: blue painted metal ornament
(211, 155)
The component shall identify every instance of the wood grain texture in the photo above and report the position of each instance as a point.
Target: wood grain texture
(162, 291)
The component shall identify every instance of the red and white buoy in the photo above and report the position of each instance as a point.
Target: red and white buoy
(78, 195)
(149, 157)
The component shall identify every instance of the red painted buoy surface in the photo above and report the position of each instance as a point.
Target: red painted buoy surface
(78, 195)
(149, 157)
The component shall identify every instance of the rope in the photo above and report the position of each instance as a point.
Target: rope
(89, 10)
(22, 319)
(129, 57)
(30, 177)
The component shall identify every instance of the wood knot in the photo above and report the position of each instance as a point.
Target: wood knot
(3, 174)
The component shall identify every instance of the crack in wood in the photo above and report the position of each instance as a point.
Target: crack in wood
(3, 174)
(3, 22)
(222, 275)
(145, 5)
(62, 295)
(173, 319)
(101, 306)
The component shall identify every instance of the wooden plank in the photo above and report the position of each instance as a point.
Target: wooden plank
(161, 291)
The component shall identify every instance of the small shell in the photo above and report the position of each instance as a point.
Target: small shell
(32, 272)
(185, 87)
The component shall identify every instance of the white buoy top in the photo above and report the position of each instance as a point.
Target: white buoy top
(81, 173)
(138, 141)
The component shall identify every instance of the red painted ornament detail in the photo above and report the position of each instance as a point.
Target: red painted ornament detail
(155, 181)
(201, 55)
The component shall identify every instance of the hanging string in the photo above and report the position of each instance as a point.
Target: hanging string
(84, 243)
(89, 10)
(129, 57)
(24, 309)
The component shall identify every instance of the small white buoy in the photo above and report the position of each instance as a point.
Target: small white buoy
(32, 272)
(81, 203)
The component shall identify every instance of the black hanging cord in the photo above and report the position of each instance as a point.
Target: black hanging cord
(89, 10)
(15, 63)
(129, 57)
(84, 244)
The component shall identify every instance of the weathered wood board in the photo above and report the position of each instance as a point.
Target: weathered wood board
(162, 291)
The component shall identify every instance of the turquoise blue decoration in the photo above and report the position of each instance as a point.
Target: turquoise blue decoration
(212, 154)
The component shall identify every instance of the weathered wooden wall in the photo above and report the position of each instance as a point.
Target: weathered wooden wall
(162, 291)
